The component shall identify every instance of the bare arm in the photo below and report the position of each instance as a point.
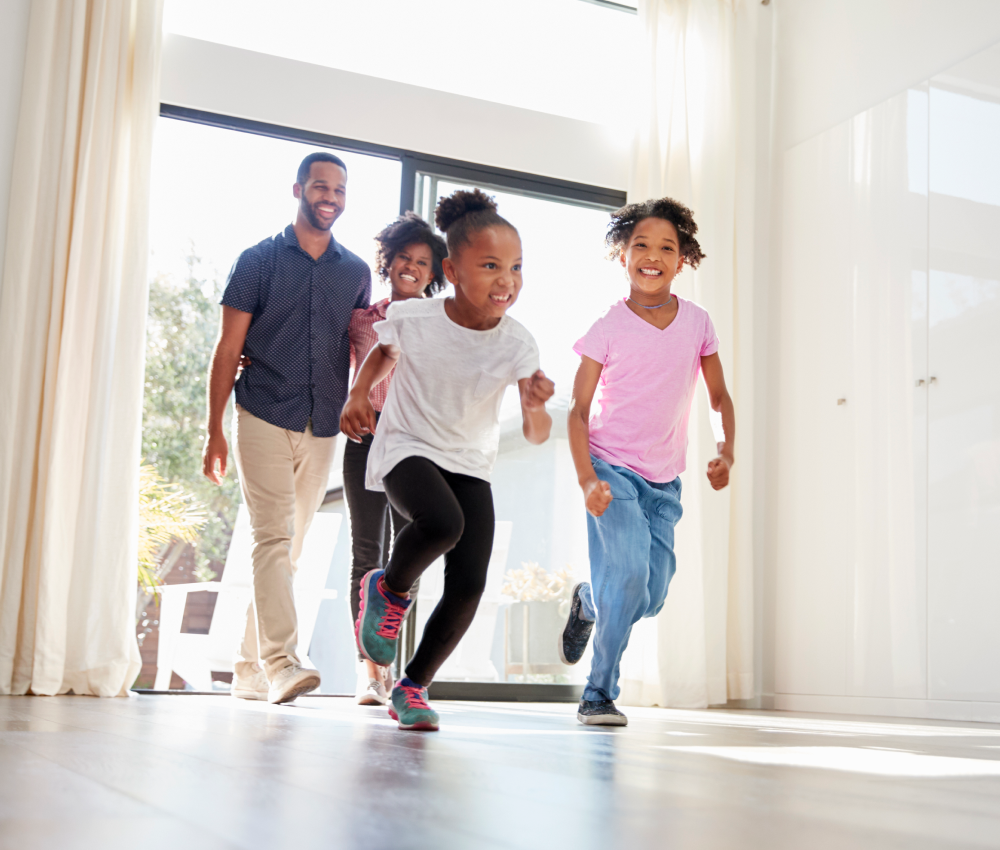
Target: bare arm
(535, 391)
(358, 416)
(221, 377)
(596, 493)
(721, 402)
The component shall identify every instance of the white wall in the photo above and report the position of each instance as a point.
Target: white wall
(217, 78)
(832, 60)
(836, 58)
(13, 41)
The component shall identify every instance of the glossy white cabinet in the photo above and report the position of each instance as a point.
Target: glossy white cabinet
(964, 398)
(851, 577)
(888, 529)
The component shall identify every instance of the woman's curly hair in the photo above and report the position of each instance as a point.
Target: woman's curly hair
(463, 213)
(624, 221)
(410, 229)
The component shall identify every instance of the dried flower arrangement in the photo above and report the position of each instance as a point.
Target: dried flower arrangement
(532, 583)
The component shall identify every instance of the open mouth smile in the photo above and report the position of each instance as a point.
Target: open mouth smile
(409, 277)
(500, 299)
(648, 272)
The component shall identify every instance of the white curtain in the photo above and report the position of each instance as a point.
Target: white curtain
(695, 143)
(72, 326)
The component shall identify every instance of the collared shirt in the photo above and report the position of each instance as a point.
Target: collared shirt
(297, 342)
(363, 340)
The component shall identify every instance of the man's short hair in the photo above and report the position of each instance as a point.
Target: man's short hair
(320, 156)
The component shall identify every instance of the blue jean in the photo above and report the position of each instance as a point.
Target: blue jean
(631, 564)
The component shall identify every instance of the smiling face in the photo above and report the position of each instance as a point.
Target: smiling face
(487, 273)
(652, 258)
(323, 197)
(411, 271)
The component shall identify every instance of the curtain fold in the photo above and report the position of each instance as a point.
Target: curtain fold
(695, 143)
(72, 329)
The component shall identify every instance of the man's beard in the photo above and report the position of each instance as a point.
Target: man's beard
(310, 213)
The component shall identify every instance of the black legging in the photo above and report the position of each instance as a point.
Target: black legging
(373, 521)
(451, 515)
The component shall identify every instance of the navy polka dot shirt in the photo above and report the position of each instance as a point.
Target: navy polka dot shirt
(297, 343)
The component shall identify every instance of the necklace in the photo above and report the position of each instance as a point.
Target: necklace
(654, 307)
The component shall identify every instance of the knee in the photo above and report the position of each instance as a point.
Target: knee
(441, 526)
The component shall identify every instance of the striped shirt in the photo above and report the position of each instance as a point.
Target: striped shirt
(363, 340)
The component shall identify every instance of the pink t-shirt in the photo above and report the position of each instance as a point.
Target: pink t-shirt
(647, 385)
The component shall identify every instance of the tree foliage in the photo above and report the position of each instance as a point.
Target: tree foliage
(182, 326)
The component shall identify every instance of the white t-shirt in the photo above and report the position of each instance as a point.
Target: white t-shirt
(444, 399)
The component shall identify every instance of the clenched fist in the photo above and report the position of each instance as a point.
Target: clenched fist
(539, 390)
(597, 496)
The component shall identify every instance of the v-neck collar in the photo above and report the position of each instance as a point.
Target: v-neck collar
(650, 325)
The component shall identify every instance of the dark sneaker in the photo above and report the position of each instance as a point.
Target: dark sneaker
(600, 712)
(573, 641)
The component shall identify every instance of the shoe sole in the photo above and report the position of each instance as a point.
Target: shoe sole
(303, 687)
(422, 726)
(241, 694)
(366, 700)
(562, 634)
(362, 613)
(602, 719)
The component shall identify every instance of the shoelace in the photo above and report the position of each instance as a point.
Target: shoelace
(415, 697)
(391, 620)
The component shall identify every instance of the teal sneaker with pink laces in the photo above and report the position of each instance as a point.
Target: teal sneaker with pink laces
(409, 707)
(380, 616)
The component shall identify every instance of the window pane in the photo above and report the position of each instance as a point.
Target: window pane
(427, 44)
(567, 286)
(216, 192)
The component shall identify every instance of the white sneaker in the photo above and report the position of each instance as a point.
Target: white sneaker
(292, 682)
(254, 686)
(374, 693)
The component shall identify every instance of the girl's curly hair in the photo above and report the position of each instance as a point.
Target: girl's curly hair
(463, 213)
(624, 221)
(409, 229)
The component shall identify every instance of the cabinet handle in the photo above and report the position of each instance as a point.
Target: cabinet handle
(841, 401)
(933, 380)
(921, 382)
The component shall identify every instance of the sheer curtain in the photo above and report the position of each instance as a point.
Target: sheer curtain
(695, 143)
(72, 325)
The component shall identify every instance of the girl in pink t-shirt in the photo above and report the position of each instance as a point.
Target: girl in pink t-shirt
(645, 352)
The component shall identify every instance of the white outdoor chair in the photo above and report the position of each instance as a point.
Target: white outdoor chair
(471, 659)
(195, 657)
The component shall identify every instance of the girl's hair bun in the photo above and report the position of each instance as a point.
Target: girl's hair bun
(459, 204)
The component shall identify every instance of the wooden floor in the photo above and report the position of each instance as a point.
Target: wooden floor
(193, 772)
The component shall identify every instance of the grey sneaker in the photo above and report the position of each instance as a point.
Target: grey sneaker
(576, 634)
(600, 712)
(374, 693)
(250, 687)
(292, 682)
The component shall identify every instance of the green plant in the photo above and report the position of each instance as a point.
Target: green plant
(166, 514)
(182, 325)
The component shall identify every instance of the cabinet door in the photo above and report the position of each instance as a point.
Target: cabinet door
(964, 383)
(851, 567)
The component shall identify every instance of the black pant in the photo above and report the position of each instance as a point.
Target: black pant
(373, 521)
(451, 515)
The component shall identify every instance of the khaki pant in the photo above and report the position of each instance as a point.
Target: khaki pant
(283, 475)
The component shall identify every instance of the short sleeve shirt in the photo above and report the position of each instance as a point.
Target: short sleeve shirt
(444, 400)
(297, 342)
(363, 340)
(647, 385)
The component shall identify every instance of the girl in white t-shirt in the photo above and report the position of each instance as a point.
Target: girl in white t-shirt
(436, 441)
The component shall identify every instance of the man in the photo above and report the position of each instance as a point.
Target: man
(286, 306)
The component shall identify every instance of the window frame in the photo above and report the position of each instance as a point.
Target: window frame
(501, 179)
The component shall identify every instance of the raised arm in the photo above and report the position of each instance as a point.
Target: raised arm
(358, 416)
(596, 493)
(535, 391)
(233, 329)
(722, 403)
